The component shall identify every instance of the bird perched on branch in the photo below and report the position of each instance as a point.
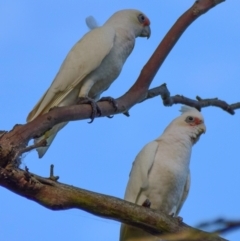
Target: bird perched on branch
(91, 66)
(160, 172)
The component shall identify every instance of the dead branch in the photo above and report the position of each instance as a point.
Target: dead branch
(224, 225)
(169, 100)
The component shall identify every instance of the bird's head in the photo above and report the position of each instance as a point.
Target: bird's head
(193, 121)
(189, 124)
(132, 19)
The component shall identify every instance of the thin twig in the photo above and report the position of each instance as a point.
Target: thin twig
(226, 225)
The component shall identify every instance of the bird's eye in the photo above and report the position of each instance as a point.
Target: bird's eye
(141, 18)
(189, 119)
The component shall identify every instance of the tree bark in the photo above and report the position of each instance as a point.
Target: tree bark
(59, 196)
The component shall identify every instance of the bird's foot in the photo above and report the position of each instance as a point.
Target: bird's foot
(146, 203)
(112, 101)
(179, 219)
(96, 111)
(126, 113)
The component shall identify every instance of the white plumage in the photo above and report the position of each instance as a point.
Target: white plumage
(160, 172)
(91, 66)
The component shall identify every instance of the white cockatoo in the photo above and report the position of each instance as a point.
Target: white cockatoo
(91, 66)
(160, 172)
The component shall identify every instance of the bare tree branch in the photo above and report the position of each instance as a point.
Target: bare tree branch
(58, 196)
(223, 225)
(169, 100)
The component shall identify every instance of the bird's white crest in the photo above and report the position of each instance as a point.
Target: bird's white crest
(186, 108)
(91, 22)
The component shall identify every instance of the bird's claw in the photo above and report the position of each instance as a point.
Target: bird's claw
(126, 113)
(146, 203)
(179, 219)
(96, 111)
(111, 100)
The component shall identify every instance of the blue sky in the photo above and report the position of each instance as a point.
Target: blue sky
(35, 37)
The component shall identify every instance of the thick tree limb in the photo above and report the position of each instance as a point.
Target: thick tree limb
(58, 196)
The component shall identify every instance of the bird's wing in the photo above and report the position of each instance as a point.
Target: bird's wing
(185, 192)
(85, 56)
(138, 179)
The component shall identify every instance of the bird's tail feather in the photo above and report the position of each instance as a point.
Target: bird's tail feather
(49, 137)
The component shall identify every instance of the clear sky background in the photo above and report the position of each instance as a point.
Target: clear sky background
(35, 37)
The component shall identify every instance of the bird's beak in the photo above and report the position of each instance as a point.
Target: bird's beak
(146, 32)
(201, 124)
(204, 129)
